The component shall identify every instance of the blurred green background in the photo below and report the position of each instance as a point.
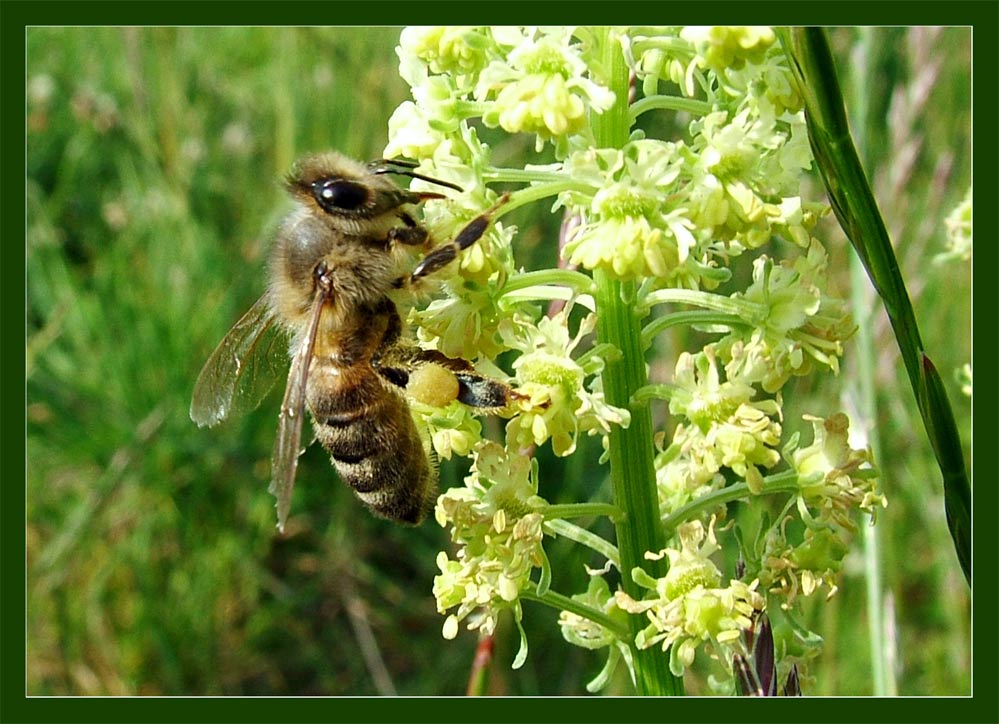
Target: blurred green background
(153, 169)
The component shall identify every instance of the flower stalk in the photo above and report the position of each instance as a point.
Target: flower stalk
(631, 452)
(584, 537)
(564, 603)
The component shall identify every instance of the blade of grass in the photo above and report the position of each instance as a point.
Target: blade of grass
(863, 391)
(478, 680)
(857, 211)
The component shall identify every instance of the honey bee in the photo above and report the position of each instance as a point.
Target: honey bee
(331, 272)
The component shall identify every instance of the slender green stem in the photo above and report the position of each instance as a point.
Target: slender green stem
(661, 324)
(786, 482)
(603, 351)
(742, 308)
(656, 392)
(478, 680)
(861, 304)
(530, 194)
(586, 538)
(522, 175)
(581, 510)
(674, 45)
(579, 283)
(547, 292)
(470, 109)
(882, 675)
(564, 603)
(631, 449)
(670, 103)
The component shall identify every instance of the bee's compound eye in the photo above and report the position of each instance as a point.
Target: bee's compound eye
(339, 195)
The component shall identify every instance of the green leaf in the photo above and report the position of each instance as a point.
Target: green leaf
(853, 203)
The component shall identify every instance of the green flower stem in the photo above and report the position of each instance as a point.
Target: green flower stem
(630, 449)
(786, 482)
(470, 109)
(660, 324)
(883, 681)
(581, 510)
(601, 351)
(673, 45)
(579, 283)
(564, 603)
(815, 341)
(584, 537)
(745, 310)
(525, 175)
(670, 103)
(659, 392)
(530, 194)
(547, 293)
(478, 680)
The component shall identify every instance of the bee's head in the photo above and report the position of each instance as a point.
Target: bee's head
(345, 188)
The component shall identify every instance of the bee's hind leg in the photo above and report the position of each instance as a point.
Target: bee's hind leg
(402, 362)
(484, 393)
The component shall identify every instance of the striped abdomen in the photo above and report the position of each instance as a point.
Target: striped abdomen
(365, 424)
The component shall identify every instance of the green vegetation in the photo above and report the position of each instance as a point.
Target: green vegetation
(154, 161)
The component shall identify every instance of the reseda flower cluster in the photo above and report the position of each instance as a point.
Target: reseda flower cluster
(688, 605)
(834, 480)
(724, 428)
(678, 210)
(558, 405)
(668, 218)
(496, 519)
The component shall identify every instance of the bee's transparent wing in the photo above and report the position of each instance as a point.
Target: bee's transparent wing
(242, 369)
(288, 445)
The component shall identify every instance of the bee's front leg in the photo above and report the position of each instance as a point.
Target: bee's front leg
(440, 256)
(412, 234)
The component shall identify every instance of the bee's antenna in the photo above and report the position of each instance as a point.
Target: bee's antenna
(405, 168)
